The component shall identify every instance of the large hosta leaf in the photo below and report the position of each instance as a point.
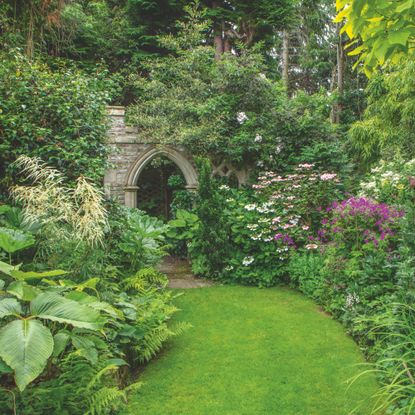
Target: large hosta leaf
(53, 307)
(23, 291)
(25, 346)
(9, 307)
(8, 269)
(12, 240)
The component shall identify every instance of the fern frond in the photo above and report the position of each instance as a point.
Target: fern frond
(105, 400)
(153, 341)
(146, 278)
(97, 377)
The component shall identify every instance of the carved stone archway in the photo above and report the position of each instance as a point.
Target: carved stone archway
(130, 153)
(183, 163)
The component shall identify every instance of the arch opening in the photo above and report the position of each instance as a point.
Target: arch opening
(157, 178)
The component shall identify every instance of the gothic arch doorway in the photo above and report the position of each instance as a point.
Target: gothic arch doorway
(143, 174)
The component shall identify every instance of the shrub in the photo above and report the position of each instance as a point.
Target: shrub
(273, 219)
(391, 182)
(305, 271)
(56, 114)
(356, 222)
(68, 338)
(212, 230)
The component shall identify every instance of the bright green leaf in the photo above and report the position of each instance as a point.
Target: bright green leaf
(12, 240)
(22, 275)
(25, 346)
(9, 307)
(54, 307)
(23, 291)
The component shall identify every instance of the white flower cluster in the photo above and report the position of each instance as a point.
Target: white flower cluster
(248, 260)
(241, 117)
(328, 176)
(258, 138)
(351, 300)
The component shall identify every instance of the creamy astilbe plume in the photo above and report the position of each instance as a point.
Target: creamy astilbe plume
(76, 214)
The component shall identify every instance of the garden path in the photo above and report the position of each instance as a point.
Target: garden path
(180, 274)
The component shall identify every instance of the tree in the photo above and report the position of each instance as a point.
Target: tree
(247, 22)
(383, 29)
(386, 130)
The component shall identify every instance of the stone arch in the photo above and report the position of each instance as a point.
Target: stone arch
(183, 163)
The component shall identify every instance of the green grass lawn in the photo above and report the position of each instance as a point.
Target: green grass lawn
(254, 351)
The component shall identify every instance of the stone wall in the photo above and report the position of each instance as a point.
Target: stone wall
(130, 153)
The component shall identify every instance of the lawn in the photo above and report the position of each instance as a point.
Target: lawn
(254, 351)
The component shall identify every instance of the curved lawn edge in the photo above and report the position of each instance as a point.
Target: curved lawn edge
(255, 351)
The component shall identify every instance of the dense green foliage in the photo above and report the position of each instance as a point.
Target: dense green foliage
(384, 28)
(212, 229)
(386, 130)
(67, 337)
(227, 108)
(265, 87)
(56, 113)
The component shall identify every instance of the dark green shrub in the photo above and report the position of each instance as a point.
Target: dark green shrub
(57, 115)
(212, 236)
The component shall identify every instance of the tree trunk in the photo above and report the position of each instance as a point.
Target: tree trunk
(333, 84)
(285, 58)
(218, 34)
(340, 78)
(30, 31)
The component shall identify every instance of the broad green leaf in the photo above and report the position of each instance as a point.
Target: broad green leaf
(9, 307)
(357, 51)
(405, 6)
(60, 340)
(86, 348)
(380, 49)
(91, 301)
(116, 362)
(91, 283)
(178, 223)
(23, 291)
(25, 346)
(22, 275)
(54, 307)
(7, 269)
(400, 38)
(12, 240)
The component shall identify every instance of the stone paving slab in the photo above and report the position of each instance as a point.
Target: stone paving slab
(180, 274)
